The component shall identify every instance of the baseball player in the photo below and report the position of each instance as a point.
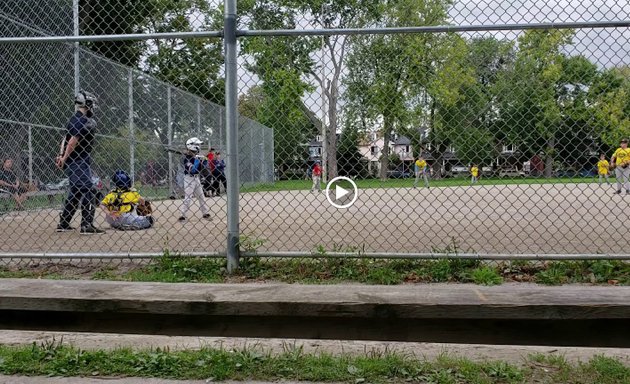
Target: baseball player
(420, 168)
(620, 161)
(193, 163)
(120, 205)
(602, 169)
(474, 172)
(74, 158)
(317, 177)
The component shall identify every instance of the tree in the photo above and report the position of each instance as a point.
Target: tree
(469, 119)
(281, 63)
(610, 94)
(323, 14)
(533, 91)
(192, 64)
(402, 79)
(350, 161)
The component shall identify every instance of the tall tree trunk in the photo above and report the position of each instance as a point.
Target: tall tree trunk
(332, 130)
(549, 155)
(387, 126)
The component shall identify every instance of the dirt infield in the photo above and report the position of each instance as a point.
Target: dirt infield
(545, 218)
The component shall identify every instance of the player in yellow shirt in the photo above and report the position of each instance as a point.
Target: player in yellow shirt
(120, 205)
(421, 170)
(474, 172)
(620, 161)
(602, 169)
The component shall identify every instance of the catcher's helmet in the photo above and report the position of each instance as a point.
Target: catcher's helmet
(121, 179)
(85, 99)
(194, 144)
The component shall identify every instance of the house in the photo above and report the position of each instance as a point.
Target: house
(372, 149)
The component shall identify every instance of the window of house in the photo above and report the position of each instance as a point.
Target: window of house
(374, 150)
(318, 138)
(407, 149)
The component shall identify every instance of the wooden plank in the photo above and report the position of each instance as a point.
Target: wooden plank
(462, 301)
(507, 314)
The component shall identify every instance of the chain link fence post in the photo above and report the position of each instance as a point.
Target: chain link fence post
(77, 70)
(231, 120)
(132, 133)
(169, 123)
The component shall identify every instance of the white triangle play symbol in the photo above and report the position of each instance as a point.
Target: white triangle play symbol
(340, 192)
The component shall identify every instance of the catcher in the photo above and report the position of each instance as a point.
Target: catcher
(620, 162)
(125, 209)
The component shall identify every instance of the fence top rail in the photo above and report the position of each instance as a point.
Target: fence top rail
(320, 32)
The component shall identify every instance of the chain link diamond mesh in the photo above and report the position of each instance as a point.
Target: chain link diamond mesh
(490, 140)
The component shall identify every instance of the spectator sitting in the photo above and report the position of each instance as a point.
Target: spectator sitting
(9, 183)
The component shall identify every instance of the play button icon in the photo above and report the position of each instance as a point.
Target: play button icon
(341, 192)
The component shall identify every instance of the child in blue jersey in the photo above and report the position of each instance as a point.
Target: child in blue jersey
(193, 165)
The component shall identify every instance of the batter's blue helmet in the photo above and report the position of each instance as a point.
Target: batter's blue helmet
(121, 179)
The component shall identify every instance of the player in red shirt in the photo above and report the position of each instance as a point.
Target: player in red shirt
(317, 177)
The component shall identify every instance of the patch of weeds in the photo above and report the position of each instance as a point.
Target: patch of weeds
(555, 274)
(176, 269)
(384, 276)
(54, 359)
(609, 370)
(486, 276)
(503, 371)
(250, 243)
(439, 271)
(106, 273)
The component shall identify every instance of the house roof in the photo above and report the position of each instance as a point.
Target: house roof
(402, 140)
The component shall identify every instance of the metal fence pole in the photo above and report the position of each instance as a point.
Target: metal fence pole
(263, 162)
(231, 119)
(169, 123)
(199, 118)
(77, 70)
(132, 131)
(30, 155)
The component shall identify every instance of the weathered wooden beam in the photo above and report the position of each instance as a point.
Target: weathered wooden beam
(506, 314)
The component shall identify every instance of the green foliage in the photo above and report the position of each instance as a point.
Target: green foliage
(250, 243)
(190, 64)
(175, 269)
(486, 276)
(555, 274)
(350, 162)
(55, 359)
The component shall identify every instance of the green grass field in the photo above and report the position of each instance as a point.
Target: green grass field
(293, 185)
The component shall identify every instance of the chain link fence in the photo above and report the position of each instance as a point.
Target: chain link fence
(491, 136)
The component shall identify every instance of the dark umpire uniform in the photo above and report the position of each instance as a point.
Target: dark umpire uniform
(75, 160)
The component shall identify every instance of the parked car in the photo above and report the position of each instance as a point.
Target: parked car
(64, 183)
(459, 170)
(398, 173)
(565, 173)
(511, 172)
(588, 172)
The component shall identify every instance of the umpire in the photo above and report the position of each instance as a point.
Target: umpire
(74, 158)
